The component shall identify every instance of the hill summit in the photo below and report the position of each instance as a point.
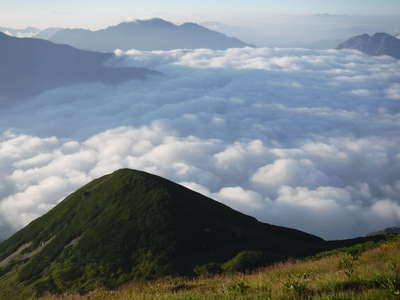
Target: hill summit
(134, 225)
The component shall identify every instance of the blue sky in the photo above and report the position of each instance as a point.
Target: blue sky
(97, 13)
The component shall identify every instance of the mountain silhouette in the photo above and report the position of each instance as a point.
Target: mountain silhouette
(377, 44)
(133, 225)
(153, 34)
(30, 66)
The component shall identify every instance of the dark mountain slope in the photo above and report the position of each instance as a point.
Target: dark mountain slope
(131, 224)
(154, 34)
(30, 66)
(378, 44)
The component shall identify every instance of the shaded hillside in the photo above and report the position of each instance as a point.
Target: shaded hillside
(154, 34)
(30, 66)
(377, 44)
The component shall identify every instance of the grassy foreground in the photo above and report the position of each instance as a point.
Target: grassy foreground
(370, 272)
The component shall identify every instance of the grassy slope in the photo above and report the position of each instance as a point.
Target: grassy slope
(360, 273)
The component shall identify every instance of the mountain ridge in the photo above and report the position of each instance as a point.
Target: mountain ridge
(147, 35)
(24, 32)
(31, 66)
(386, 231)
(378, 44)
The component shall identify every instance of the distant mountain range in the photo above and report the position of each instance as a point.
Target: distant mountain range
(32, 32)
(154, 34)
(30, 66)
(133, 225)
(377, 44)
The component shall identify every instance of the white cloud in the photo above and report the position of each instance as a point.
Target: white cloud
(361, 92)
(241, 199)
(393, 92)
(387, 209)
(290, 172)
(279, 134)
(297, 194)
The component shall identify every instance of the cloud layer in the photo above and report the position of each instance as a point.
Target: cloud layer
(301, 138)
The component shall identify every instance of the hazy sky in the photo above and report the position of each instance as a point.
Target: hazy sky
(99, 13)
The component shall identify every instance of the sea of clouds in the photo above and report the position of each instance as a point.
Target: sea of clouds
(295, 137)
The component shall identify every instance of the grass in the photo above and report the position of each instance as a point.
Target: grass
(372, 274)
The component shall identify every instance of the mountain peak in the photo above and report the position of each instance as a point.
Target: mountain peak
(137, 225)
(156, 21)
(145, 22)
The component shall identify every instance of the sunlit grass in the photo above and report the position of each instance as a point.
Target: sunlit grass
(375, 275)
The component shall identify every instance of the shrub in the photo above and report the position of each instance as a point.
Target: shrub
(336, 297)
(244, 261)
(208, 269)
(389, 282)
(67, 273)
(347, 265)
(44, 285)
(296, 285)
(355, 250)
(177, 284)
(239, 287)
(354, 285)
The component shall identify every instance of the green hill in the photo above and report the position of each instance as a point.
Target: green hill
(131, 225)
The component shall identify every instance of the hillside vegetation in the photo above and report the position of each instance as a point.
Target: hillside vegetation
(369, 271)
